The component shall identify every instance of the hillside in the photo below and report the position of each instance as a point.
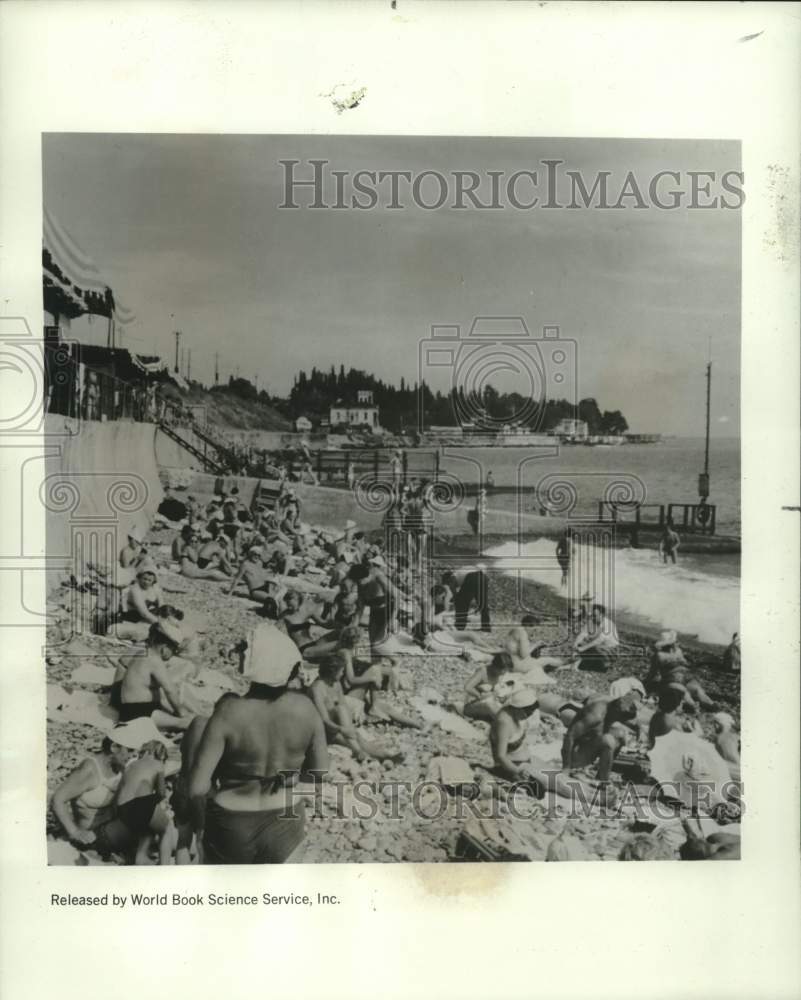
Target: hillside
(228, 409)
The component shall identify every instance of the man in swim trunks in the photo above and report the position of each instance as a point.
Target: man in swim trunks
(146, 677)
(669, 668)
(250, 753)
(669, 544)
(598, 731)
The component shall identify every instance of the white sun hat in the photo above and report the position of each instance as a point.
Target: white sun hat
(134, 734)
(271, 656)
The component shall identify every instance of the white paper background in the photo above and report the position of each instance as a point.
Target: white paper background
(649, 930)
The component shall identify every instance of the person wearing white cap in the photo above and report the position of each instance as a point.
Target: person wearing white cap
(727, 742)
(512, 755)
(508, 733)
(133, 551)
(669, 668)
(146, 678)
(252, 749)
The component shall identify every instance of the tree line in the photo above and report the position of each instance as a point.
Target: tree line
(314, 393)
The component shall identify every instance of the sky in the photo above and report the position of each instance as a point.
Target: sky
(188, 231)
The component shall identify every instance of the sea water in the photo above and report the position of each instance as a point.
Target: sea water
(667, 471)
(693, 598)
(698, 596)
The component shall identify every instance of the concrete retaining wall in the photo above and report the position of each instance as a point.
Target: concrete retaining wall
(101, 479)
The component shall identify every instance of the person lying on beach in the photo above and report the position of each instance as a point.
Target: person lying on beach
(252, 749)
(143, 679)
(140, 604)
(526, 651)
(341, 713)
(597, 642)
(142, 804)
(598, 731)
(670, 668)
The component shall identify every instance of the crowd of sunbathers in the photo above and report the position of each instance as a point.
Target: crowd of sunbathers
(333, 611)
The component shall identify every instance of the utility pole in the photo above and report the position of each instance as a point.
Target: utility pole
(177, 342)
(217, 368)
(189, 367)
(256, 383)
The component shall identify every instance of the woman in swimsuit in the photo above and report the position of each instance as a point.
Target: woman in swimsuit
(141, 604)
(512, 756)
(482, 701)
(84, 800)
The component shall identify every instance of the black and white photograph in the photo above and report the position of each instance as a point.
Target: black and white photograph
(399, 457)
(396, 516)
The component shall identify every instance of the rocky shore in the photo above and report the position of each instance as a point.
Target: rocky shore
(388, 812)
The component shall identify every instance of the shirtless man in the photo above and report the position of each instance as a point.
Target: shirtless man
(251, 750)
(598, 731)
(146, 677)
(669, 544)
(670, 668)
(341, 713)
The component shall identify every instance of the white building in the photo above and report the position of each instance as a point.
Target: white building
(567, 427)
(359, 414)
(303, 424)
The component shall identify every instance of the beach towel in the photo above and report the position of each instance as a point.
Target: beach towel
(450, 772)
(85, 707)
(447, 721)
(90, 673)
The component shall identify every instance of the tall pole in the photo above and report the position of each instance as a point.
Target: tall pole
(216, 368)
(708, 394)
(177, 342)
(189, 366)
(703, 479)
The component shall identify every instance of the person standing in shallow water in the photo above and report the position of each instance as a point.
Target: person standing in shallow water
(669, 544)
(563, 552)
